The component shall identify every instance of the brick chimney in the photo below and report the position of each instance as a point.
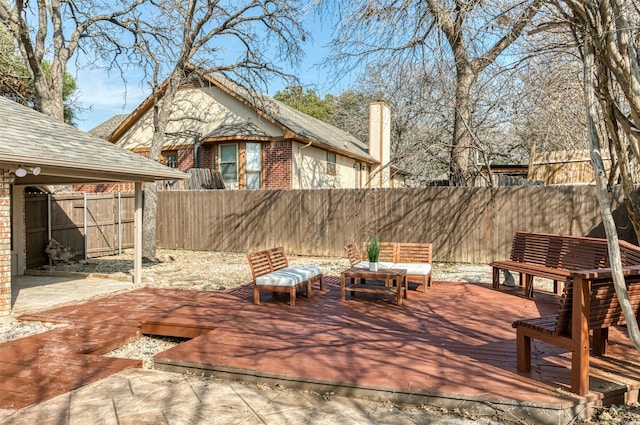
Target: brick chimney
(380, 143)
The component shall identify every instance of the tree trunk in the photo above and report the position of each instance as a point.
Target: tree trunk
(462, 138)
(161, 112)
(603, 195)
(48, 88)
(149, 212)
(150, 209)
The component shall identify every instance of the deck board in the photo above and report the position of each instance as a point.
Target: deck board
(455, 341)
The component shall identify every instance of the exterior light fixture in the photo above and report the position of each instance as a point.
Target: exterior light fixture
(21, 172)
(36, 170)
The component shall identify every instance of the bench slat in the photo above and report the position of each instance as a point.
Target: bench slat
(604, 311)
(259, 263)
(555, 256)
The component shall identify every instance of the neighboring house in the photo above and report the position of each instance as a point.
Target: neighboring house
(256, 142)
(36, 151)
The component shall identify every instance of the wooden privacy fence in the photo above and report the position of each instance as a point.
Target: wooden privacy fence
(92, 225)
(470, 225)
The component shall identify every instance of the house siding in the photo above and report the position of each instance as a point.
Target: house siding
(277, 173)
(310, 170)
(220, 118)
(186, 159)
(206, 157)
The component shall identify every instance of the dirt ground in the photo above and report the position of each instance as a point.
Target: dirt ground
(218, 271)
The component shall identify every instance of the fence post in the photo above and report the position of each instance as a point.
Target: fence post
(119, 224)
(137, 238)
(85, 226)
(49, 222)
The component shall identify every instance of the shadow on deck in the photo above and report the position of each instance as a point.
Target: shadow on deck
(453, 347)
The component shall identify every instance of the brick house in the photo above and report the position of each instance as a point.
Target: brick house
(256, 142)
(37, 151)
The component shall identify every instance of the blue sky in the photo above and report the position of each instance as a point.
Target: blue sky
(102, 95)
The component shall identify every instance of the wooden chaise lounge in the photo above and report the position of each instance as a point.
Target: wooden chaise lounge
(271, 272)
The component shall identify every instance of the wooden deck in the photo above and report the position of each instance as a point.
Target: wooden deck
(453, 346)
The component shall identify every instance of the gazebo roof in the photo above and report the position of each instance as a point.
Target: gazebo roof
(66, 154)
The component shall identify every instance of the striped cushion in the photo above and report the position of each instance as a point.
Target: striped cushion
(291, 276)
(414, 269)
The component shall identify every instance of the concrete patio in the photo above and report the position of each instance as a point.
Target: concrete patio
(40, 292)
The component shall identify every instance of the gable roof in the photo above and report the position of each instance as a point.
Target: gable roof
(307, 128)
(105, 129)
(295, 125)
(68, 155)
(244, 129)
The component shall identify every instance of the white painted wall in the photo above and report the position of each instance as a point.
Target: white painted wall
(309, 168)
(201, 110)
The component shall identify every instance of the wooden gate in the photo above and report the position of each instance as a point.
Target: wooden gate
(93, 225)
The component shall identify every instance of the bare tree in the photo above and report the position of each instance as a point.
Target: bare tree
(468, 35)
(608, 31)
(419, 98)
(548, 105)
(55, 31)
(178, 42)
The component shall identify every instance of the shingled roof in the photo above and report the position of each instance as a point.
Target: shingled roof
(105, 129)
(307, 127)
(68, 155)
(304, 128)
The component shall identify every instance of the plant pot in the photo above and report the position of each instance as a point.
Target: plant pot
(373, 266)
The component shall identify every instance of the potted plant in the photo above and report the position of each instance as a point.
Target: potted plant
(373, 252)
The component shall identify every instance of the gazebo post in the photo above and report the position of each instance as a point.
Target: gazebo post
(137, 238)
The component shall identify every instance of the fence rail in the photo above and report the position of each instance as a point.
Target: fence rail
(469, 225)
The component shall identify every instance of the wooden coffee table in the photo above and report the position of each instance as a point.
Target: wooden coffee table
(399, 276)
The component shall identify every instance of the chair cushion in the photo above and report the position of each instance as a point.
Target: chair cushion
(291, 276)
(414, 269)
(365, 265)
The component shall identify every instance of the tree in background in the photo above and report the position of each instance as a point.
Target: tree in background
(16, 84)
(464, 38)
(307, 101)
(178, 42)
(49, 34)
(14, 77)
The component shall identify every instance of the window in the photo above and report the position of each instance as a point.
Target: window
(170, 159)
(254, 165)
(331, 163)
(229, 162)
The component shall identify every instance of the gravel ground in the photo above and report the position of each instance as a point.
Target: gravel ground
(219, 271)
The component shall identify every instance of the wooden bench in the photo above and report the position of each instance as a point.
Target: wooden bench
(556, 256)
(415, 258)
(271, 272)
(589, 303)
